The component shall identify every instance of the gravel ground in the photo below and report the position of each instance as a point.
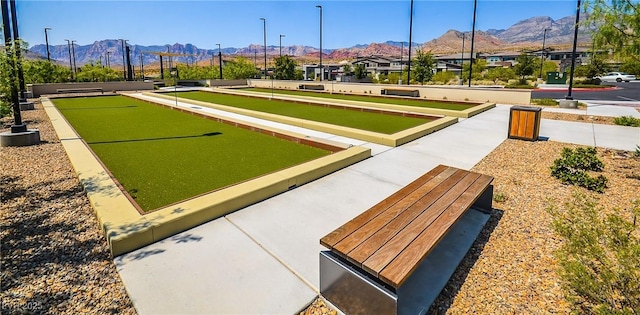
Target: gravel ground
(579, 118)
(511, 268)
(54, 258)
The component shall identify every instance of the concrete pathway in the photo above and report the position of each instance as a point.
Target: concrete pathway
(264, 258)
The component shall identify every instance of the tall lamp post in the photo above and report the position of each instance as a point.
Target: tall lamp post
(473, 33)
(321, 68)
(462, 61)
(70, 64)
(220, 59)
(73, 52)
(573, 54)
(46, 40)
(124, 65)
(410, 39)
(108, 61)
(281, 36)
(544, 38)
(9, 42)
(264, 34)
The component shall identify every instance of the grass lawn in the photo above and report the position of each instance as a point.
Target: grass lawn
(376, 122)
(162, 156)
(371, 99)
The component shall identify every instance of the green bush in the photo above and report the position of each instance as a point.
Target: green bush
(627, 121)
(598, 259)
(5, 109)
(443, 77)
(572, 169)
(544, 101)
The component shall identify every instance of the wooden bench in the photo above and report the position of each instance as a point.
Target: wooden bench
(376, 253)
(79, 90)
(400, 92)
(317, 87)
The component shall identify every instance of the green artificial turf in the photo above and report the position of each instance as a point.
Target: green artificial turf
(376, 122)
(371, 99)
(162, 156)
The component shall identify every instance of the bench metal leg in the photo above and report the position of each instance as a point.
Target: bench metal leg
(484, 202)
(353, 292)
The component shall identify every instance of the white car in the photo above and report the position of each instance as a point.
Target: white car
(617, 76)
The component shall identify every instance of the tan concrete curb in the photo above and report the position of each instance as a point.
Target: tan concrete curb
(393, 140)
(392, 107)
(126, 229)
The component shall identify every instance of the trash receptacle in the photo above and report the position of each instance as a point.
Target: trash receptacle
(524, 122)
(556, 78)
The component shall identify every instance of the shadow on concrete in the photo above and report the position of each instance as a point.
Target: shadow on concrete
(91, 185)
(450, 291)
(209, 134)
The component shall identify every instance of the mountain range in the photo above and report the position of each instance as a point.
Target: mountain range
(526, 34)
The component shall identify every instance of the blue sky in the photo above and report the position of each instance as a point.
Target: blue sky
(237, 23)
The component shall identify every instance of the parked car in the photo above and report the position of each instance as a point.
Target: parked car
(617, 76)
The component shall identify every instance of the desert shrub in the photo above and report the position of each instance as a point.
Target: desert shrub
(443, 76)
(572, 166)
(598, 259)
(627, 121)
(544, 101)
(500, 197)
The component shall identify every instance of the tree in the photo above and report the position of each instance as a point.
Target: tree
(393, 77)
(346, 69)
(479, 66)
(423, 66)
(239, 68)
(500, 74)
(285, 68)
(360, 71)
(94, 73)
(197, 72)
(526, 65)
(618, 26)
(548, 66)
(5, 82)
(632, 67)
(43, 71)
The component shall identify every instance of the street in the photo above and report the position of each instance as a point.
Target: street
(627, 91)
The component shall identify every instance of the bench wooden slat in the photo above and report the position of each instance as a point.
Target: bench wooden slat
(343, 231)
(396, 272)
(361, 244)
(387, 253)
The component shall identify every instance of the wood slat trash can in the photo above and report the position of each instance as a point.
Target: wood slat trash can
(524, 122)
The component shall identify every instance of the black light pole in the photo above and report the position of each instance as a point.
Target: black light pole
(129, 70)
(462, 60)
(410, 38)
(108, 63)
(124, 66)
(473, 34)
(73, 53)
(70, 64)
(220, 59)
(46, 40)
(401, 66)
(281, 36)
(321, 68)
(142, 66)
(264, 32)
(573, 54)
(17, 126)
(544, 38)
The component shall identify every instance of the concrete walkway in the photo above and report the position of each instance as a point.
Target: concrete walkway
(264, 258)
